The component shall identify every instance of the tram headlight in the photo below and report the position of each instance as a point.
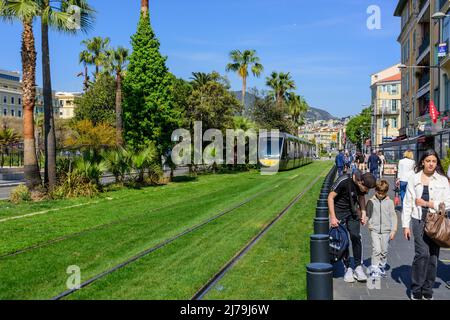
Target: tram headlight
(269, 162)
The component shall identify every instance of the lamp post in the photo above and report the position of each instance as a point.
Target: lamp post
(407, 110)
(386, 124)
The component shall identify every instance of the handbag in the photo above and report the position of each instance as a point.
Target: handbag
(397, 200)
(437, 227)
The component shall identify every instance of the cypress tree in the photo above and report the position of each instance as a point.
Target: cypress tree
(149, 112)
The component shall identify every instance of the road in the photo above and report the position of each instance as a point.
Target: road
(7, 186)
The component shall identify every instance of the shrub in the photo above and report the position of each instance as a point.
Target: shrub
(74, 185)
(20, 194)
(446, 161)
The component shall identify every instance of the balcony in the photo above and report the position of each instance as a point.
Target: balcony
(425, 79)
(425, 46)
(424, 11)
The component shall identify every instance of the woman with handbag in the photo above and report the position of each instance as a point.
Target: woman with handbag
(426, 190)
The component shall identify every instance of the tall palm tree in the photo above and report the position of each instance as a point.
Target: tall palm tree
(97, 47)
(25, 11)
(86, 59)
(57, 15)
(280, 83)
(117, 62)
(241, 61)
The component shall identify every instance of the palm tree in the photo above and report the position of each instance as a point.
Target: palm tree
(280, 83)
(25, 11)
(241, 61)
(86, 59)
(199, 79)
(117, 62)
(60, 18)
(8, 137)
(297, 107)
(97, 47)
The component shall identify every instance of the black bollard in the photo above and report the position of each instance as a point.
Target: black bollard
(319, 248)
(319, 281)
(323, 195)
(322, 203)
(322, 212)
(321, 225)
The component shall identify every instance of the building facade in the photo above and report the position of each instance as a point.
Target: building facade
(11, 96)
(426, 76)
(66, 102)
(386, 105)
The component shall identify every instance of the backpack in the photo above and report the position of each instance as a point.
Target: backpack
(339, 243)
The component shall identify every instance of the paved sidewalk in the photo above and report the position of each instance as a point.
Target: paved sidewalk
(397, 283)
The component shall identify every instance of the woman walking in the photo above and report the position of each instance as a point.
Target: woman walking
(405, 170)
(426, 190)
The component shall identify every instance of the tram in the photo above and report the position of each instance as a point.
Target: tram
(285, 150)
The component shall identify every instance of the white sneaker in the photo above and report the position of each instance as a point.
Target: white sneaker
(348, 277)
(359, 274)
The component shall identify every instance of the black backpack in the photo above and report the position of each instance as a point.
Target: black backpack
(339, 243)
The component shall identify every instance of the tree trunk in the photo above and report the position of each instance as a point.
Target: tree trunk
(119, 137)
(86, 78)
(244, 91)
(49, 123)
(144, 6)
(31, 168)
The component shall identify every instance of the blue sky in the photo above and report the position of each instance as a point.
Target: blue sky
(325, 44)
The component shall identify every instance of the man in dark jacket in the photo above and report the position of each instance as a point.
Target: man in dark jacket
(374, 163)
(347, 206)
(340, 161)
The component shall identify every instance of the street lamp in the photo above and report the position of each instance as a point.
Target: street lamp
(408, 111)
(386, 124)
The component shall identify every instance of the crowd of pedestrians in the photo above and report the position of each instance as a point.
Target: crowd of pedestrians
(423, 188)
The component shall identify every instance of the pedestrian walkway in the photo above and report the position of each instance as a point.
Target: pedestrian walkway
(396, 286)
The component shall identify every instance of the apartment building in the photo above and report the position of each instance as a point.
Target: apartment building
(66, 101)
(11, 96)
(386, 101)
(426, 75)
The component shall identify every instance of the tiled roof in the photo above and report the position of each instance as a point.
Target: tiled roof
(396, 77)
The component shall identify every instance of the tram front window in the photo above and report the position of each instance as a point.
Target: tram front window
(268, 149)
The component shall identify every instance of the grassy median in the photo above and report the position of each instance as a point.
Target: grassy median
(149, 216)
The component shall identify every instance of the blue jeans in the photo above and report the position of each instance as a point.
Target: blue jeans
(403, 186)
(374, 171)
(340, 171)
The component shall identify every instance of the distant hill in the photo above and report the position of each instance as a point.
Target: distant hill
(313, 114)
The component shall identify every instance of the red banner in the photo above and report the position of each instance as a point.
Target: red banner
(434, 113)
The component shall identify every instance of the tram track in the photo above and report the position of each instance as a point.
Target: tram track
(102, 226)
(166, 242)
(219, 275)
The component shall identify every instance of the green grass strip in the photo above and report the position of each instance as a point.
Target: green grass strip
(178, 270)
(40, 274)
(276, 267)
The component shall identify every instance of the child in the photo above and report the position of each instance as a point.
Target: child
(382, 225)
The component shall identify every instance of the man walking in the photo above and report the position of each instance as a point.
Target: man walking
(347, 206)
(340, 161)
(374, 163)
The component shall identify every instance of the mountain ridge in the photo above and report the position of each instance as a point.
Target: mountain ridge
(313, 113)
